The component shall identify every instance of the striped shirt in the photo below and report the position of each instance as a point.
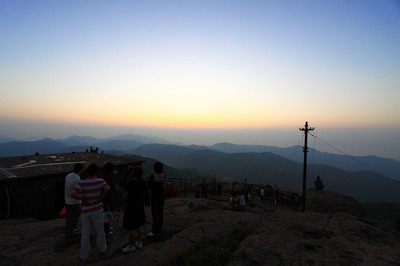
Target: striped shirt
(91, 188)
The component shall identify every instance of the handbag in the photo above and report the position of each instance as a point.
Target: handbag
(63, 212)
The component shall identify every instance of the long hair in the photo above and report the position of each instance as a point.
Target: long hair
(138, 172)
(92, 169)
(158, 167)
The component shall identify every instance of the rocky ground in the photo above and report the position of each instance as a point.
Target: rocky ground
(283, 236)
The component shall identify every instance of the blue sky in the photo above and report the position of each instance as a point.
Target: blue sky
(204, 71)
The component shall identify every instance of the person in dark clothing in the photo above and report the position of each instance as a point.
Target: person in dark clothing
(219, 189)
(134, 198)
(214, 187)
(204, 189)
(108, 201)
(156, 184)
(319, 185)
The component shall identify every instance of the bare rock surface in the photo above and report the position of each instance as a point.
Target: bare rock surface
(330, 202)
(283, 236)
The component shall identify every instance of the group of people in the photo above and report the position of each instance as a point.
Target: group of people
(92, 197)
(216, 189)
(238, 201)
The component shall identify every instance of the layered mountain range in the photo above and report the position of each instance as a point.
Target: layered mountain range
(366, 178)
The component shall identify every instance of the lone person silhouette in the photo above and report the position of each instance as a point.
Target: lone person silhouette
(319, 185)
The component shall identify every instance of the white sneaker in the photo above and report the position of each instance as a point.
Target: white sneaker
(128, 249)
(139, 246)
(151, 234)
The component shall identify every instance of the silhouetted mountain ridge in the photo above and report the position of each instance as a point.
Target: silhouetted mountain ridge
(18, 148)
(271, 169)
(385, 166)
(220, 161)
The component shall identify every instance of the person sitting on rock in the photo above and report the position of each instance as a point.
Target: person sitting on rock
(233, 201)
(242, 201)
(319, 185)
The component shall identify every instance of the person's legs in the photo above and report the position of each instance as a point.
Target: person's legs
(158, 215)
(98, 221)
(140, 235)
(107, 218)
(68, 220)
(106, 228)
(73, 212)
(75, 215)
(85, 239)
(131, 246)
(131, 234)
(154, 215)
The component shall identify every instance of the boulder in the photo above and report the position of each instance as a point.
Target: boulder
(325, 201)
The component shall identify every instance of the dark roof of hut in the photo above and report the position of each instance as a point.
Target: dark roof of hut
(12, 168)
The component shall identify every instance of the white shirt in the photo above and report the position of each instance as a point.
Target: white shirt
(70, 182)
(242, 200)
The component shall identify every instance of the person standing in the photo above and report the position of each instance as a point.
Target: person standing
(214, 187)
(134, 197)
(109, 199)
(157, 198)
(72, 205)
(91, 192)
(219, 189)
(262, 193)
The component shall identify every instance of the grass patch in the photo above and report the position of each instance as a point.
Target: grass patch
(214, 250)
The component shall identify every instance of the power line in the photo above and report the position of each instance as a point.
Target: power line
(351, 157)
(291, 158)
(312, 159)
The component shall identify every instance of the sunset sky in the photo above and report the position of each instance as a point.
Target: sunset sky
(202, 72)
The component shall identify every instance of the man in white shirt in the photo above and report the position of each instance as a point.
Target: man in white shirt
(262, 193)
(72, 205)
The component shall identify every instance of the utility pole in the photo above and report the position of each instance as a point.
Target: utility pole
(305, 150)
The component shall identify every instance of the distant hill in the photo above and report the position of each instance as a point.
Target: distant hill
(7, 139)
(167, 153)
(18, 148)
(121, 145)
(72, 143)
(385, 166)
(80, 141)
(141, 139)
(271, 169)
(169, 170)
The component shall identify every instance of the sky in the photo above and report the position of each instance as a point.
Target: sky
(202, 72)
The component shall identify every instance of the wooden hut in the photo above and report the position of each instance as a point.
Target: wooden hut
(34, 185)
